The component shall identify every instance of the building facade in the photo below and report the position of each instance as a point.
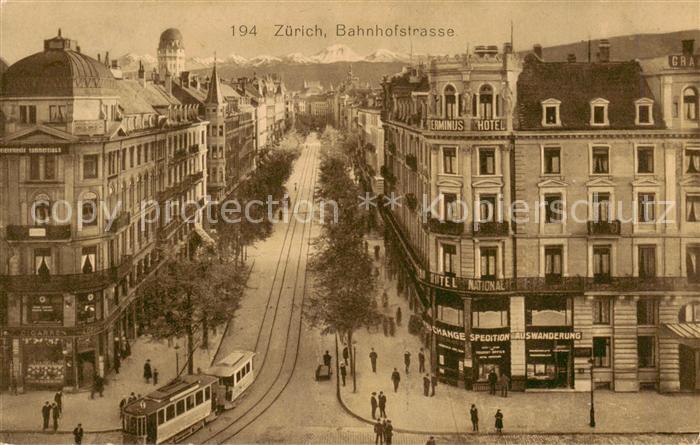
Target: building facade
(97, 175)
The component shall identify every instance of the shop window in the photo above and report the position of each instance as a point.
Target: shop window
(449, 160)
(647, 312)
(552, 264)
(89, 209)
(42, 261)
(554, 208)
(541, 371)
(552, 160)
(489, 313)
(87, 308)
(27, 114)
(690, 313)
(487, 161)
(690, 104)
(44, 309)
(544, 311)
(601, 264)
(692, 256)
(647, 261)
(601, 311)
(601, 352)
(646, 351)
(449, 253)
(692, 208)
(450, 315)
(43, 361)
(645, 207)
(601, 207)
(645, 160)
(488, 263)
(487, 208)
(484, 369)
(600, 161)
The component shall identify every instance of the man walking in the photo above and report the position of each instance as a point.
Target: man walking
(327, 359)
(493, 378)
(421, 361)
(382, 404)
(373, 359)
(99, 385)
(78, 434)
(147, 373)
(343, 372)
(396, 378)
(346, 354)
(474, 414)
(122, 404)
(117, 364)
(426, 385)
(373, 403)
(407, 360)
(388, 432)
(504, 382)
(45, 414)
(433, 384)
(58, 398)
(378, 433)
(55, 414)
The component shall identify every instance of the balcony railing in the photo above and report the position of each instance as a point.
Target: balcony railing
(491, 228)
(412, 162)
(48, 232)
(604, 227)
(67, 282)
(445, 227)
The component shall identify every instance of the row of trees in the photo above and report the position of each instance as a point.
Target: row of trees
(193, 292)
(343, 298)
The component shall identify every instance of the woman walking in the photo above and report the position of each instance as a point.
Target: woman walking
(499, 421)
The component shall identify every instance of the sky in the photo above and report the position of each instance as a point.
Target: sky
(134, 26)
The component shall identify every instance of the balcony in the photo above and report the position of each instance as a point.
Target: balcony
(194, 148)
(491, 228)
(445, 227)
(122, 220)
(604, 228)
(67, 282)
(412, 162)
(31, 233)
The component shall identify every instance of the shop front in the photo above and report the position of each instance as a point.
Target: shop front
(489, 339)
(449, 329)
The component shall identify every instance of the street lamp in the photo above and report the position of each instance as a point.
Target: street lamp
(592, 421)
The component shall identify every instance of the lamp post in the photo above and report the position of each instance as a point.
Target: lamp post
(177, 360)
(354, 379)
(592, 414)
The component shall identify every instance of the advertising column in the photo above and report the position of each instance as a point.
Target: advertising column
(517, 346)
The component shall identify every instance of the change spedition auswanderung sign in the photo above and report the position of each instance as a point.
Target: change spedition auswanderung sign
(507, 336)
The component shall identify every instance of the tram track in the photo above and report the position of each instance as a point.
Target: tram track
(280, 380)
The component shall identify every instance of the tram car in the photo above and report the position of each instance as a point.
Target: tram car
(172, 412)
(235, 373)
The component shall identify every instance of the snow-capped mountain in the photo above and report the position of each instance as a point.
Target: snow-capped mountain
(235, 58)
(263, 60)
(297, 58)
(203, 61)
(130, 61)
(336, 53)
(385, 55)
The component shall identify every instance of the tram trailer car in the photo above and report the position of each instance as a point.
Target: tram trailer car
(235, 373)
(172, 412)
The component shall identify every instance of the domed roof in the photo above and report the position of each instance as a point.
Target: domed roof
(58, 71)
(171, 37)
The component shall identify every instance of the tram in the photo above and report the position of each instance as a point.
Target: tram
(235, 373)
(172, 412)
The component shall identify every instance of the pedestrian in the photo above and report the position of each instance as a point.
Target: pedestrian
(346, 354)
(78, 434)
(93, 387)
(99, 385)
(55, 414)
(343, 372)
(132, 397)
(117, 364)
(421, 361)
(407, 360)
(493, 378)
(398, 315)
(147, 373)
(504, 383)
(474, 414)
(295, 186)
(127, 347)
(426, 385)
(327, 359)
(122, 404)
(396, 378)
(388, 432)
(58, 398)
(378, 433)
(376, 252)
(430, 441)
(382, 404)
(45, 414)
(499, 421)
(373, 359)
(433, 384)
(373, 403)
(155, 376)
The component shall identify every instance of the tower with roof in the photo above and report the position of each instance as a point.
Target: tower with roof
(171, 53)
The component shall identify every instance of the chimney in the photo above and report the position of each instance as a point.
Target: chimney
(107, 59)
(571, 58)
(142, 74)
(688, 47)
(168, 82)
(537, 49)
(99, 57)
(77, 49)
(507, 48)
(185, 79)
(604, 51)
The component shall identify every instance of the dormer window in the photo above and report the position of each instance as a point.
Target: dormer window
(644, 114)
(550, 113)
(599, 112)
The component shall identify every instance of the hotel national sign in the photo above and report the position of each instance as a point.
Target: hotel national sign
(445, 125)
(684, 61)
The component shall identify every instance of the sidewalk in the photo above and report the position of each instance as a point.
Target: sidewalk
(23, 411)
(543, 412)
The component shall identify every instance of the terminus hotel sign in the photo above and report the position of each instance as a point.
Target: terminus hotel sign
(458, 125)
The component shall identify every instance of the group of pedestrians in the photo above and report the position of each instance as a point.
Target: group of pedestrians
(383, 432)
(474, 417)
(502, 381)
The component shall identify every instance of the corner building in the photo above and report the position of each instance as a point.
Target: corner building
(583, 278)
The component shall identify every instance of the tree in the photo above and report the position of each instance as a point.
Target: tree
(189, 295)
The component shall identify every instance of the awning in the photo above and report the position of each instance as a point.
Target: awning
(686, 333)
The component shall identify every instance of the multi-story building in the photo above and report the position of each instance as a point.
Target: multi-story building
(171, 53)
(539, 250)
(96, 173)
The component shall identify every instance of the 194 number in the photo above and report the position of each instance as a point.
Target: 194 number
(244, 30)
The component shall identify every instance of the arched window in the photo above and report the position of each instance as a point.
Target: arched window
(690, 104)
(41, 210)
(486, 102)
(89, 209)
(451, 110)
